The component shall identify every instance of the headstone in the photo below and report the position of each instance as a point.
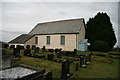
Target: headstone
(84, 61)
(74, 53)
(89, 57)
(21, 47)
(27, 52)
(56, 50)
(16, 52)
(47, 76)
(60, 50)
(81, 61)
(67, 53)
(50, 56)
(76, 66)
(12, 46)
(5, 45)
(3, 51)
(65, 69)
(33, 47)
(6, 61)
(43, 49)
(36, 50)
(28, 46)
(51, 50)
(59, 53)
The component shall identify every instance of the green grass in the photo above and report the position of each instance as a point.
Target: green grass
(96, 69)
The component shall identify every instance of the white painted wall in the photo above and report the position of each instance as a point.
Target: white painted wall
(70, 41)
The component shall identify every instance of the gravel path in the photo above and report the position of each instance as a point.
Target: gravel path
(16, 72)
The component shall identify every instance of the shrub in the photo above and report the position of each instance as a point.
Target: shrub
(100, 46)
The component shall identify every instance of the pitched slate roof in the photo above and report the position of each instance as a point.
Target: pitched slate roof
(21, 39)
(58, 27)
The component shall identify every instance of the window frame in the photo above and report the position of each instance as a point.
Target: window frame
(47, 40)
(36, 40)
(62, 40)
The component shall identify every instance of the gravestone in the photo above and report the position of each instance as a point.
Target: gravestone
(56, 50)
(36, 50)
(21, 47)
(51, 50)
(74, 53)
(84, 61)
(76, 66)
(27, 52)
(59, 53)
(65, 69)
(43, 49)
(18, 47)
(50, 57)
(81, 61)
(89, 57)
(12, 46)
(60, 50)
(33, 47)
(5, 59)
(5, 45)
(16, 52)
(47, 76)
(67, 53)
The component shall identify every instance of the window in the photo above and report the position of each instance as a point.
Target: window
(36, 40)
(62, 40)
(48, 39)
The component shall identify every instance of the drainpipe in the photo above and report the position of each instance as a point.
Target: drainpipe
(76, 42)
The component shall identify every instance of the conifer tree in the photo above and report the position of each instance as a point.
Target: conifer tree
(100, 28)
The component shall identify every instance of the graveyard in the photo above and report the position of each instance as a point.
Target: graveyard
(66, 64)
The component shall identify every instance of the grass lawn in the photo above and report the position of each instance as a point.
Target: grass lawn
(96, 69)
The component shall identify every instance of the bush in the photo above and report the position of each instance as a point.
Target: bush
(100, 46)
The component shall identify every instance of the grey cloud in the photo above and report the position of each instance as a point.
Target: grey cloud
(23, 16)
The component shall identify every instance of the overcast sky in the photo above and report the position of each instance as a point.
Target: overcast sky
(20, 17)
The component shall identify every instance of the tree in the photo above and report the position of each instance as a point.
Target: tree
(100, 46)
(100, 28)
